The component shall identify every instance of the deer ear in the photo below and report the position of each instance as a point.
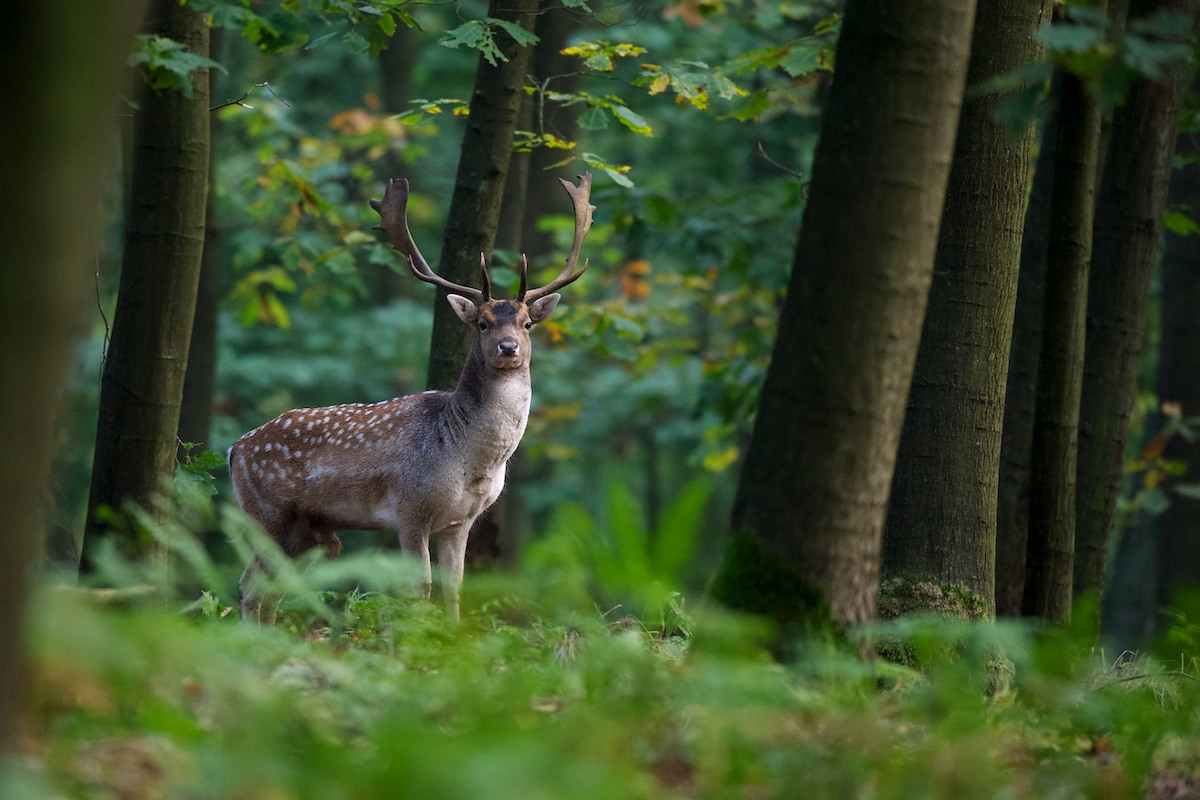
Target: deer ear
(540, 309)
(466, 310)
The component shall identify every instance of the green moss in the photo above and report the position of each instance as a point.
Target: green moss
(929, 605)
(755, 581)
(903, 595)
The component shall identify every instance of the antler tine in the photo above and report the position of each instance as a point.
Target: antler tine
(487, 282)
(580, 197)
(393, 220)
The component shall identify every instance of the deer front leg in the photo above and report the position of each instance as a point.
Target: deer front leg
(414, 542)
(452, 554)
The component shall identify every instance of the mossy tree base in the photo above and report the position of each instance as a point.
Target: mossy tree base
(755, 581)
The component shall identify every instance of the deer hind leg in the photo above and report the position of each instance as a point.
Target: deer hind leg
(452, 552)
(257, 605)
(295, 534)
(414, 542)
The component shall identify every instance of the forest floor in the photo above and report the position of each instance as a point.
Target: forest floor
(133, 700)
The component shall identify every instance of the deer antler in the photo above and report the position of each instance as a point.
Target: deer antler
(393, 220)
(580, 196)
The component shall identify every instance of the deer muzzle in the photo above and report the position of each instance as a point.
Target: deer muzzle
(508, 347)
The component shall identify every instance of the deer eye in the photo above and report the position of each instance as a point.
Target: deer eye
(483, 326)
(528, 325)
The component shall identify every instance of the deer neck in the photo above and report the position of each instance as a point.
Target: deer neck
(489, 407)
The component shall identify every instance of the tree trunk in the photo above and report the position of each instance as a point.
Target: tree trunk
(1157, 564)
(1012, 514)
(1050, 550)
(142, 385)
(479, 186)
(199, 382)
(60, 67)
(1177, 560)
(1129, 212)
(942, 514)
(808, 517)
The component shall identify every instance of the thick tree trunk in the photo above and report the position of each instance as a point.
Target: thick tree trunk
(1129, 212)
(942, 514)
(479, 186)
(1177, 562)
(1012, 514)
(142, 385)
(1050, 551)
(1157, 563)
(60, 67)
(808, 516)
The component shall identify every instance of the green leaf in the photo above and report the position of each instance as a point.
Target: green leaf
(679, 527)
(356, 41)
(628, 329)
(619, 178)
(169, 65)
(1070, 38)
(801, 60)
(758, 103)
(320, 40)
(471, 34)
(1179, 223)
(1188, 490)
(1154, 501)
(520, 35)
(632, 120)
(594, 119)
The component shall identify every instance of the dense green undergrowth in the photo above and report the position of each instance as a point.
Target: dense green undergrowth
(579, 671)
(533, 697)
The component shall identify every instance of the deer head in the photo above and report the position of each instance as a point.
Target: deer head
(503, 324)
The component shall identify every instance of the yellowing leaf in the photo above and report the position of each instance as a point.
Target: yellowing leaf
(721, 459)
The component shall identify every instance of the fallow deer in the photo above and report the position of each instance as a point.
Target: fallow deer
(426, 465)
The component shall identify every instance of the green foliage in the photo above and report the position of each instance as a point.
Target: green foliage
(195, 471)
(360, 25)
(1153, 477)
(1085, 44)
(361, 694)
(622, 561)
(168, 64)
(481, 35)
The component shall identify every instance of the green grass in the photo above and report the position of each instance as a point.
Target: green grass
(581, 673)
(529, 700)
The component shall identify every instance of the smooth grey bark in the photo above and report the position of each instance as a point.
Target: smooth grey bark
(1129, 213)
(1012, 513)
(1050, 547)
(941, 520)
(808, 517)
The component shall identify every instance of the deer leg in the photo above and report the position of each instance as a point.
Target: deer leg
(294, 534)
(256, 605)
(415, 543)
(452, 551)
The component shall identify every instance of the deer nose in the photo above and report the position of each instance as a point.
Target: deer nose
(508, 347)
